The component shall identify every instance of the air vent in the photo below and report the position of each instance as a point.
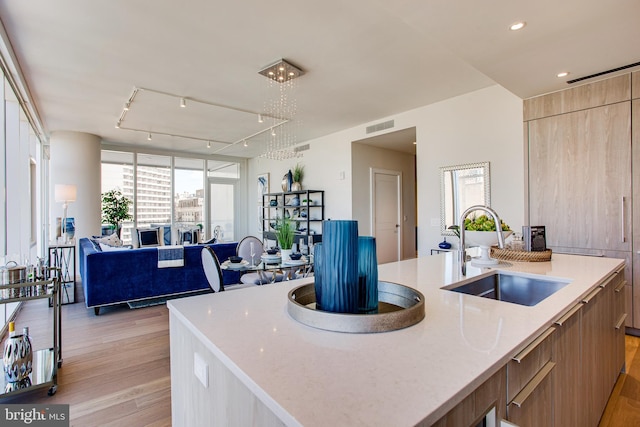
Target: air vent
(602, 73)
(299, 148)
(380, 126)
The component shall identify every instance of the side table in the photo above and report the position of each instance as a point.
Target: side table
(63, 256)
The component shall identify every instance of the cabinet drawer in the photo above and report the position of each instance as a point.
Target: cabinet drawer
(533, 405)
(527, 363)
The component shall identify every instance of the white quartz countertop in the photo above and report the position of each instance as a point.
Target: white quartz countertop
(313, 377)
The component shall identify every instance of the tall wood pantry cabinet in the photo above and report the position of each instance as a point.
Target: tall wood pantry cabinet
(583, 160)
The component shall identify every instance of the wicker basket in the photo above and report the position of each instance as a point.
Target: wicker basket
(509, 255)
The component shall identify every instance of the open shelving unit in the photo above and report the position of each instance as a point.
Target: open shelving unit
(307, 214)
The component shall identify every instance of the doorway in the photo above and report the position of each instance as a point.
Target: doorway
(390, 154)
(222, 208)
(386, 211)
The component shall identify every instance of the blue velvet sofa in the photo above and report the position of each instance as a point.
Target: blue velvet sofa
(115, 277)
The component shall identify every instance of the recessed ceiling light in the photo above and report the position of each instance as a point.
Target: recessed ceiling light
(563, 74)
(517, 25)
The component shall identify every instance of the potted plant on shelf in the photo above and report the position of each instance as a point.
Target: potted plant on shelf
(298, 174)
(115, 209)
(284, 234)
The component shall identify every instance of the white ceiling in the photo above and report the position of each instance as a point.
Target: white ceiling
(364, 60)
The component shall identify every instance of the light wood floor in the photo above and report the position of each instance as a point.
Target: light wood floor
(116, 368)
(623, 409)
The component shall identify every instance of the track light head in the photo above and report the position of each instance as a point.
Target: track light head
(126, 106)
(208, 144)
(260, 119)
(149, 137)
(245, 143)
(183, 103)
(273, 132)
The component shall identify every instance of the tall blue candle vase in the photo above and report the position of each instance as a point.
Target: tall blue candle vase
(367, 275)
(339, 270)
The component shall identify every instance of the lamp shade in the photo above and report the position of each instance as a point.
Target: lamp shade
(65, 193)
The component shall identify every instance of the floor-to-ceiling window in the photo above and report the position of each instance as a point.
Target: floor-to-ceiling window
(22, 230)
(179, 193)
(117, 174)
(188, 200)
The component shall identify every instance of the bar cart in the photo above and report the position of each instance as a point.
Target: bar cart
(46, 362)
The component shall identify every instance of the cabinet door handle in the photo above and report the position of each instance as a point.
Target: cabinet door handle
(533, 384)
(621, 321)
(592, 295)
(624, 239)
(570, 313)
(528, 349)
(620, 286)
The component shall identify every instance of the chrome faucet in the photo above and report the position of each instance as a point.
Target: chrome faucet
(496, 219)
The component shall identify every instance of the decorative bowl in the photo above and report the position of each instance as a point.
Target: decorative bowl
(484, 238)
(235, 259)
(295, 256)
(272, 251)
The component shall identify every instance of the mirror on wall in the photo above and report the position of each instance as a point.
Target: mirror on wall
(462, 186)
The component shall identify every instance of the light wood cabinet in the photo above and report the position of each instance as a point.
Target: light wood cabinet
(530, 383)
(634, 315)
(596, 94)
(491, 394)
(568, 376)
(583, 169)
(580, 178)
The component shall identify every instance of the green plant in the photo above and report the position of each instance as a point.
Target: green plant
(483, 223)
(115, 208)
(284, 233)
(298, 173)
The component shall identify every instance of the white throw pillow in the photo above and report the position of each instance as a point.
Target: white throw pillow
(111, 240)
(108, 248)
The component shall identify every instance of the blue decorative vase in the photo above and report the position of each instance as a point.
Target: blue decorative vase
(70, 227)
(367, 275)
(318, 265)
(289, 180)
(339, 267)
(444, 244)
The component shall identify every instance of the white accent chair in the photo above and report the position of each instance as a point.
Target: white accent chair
(244, 250)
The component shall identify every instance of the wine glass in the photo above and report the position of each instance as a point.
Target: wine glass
(253, 252)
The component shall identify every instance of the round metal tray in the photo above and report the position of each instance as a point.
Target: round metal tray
(399, 306)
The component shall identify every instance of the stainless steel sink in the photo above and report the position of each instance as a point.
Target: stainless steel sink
(513, 288)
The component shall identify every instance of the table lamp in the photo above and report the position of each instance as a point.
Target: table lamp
(65, 194)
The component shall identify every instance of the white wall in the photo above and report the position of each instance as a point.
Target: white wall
(75, 159)
(485, 125)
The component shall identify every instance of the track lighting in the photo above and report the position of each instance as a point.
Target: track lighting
(208, 144)
(183, 103)
(260, 119)
(245, 143)
(126, 106)
(273, 132)
(118, 125)
(149, 137)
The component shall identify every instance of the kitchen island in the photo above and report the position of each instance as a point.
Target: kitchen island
(258, 366)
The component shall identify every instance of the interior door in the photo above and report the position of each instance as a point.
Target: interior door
(386, 212)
